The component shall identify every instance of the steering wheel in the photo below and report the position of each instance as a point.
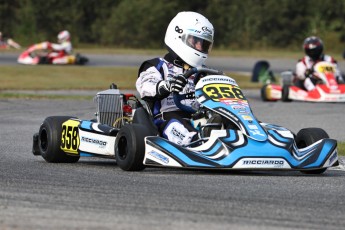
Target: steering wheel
(179, 97)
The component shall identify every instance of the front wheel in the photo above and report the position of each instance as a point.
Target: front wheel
(264, 93)
(130, 147)
(308, 136)
(49, 141)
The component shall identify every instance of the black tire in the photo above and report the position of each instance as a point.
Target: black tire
(308, 136)
(264, 93)
(81, 60)
(44, 60)
(130, 147)
(285, 93)
(49, 141)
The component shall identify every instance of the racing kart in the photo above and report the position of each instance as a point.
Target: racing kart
(327, 87)
(38, 54)
(8, 43)
(229, 135)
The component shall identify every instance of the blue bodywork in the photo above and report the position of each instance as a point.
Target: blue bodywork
(253, 145)
(313, 157)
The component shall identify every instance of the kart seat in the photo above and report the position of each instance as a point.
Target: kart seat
(141, 116)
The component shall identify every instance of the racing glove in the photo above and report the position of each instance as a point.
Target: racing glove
(176, 84)
(308, 73)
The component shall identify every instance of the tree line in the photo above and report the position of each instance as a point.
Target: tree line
(239, 24)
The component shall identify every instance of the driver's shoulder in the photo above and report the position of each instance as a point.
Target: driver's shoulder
(329, 58)
(155, 62)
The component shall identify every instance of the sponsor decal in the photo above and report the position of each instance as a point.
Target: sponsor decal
(159, 156)
(177, 134)
(238, 107)
(264, 162)
(147, 73)
(229, 101)
(235, 102)
(223, 79)
(101, 144)
(256, 132)
(206, 30)
(178, 30)
(243, 112)
(170, 103)
(247, 118)
(253, 127)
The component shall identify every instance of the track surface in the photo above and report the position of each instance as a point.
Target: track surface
(96, 194)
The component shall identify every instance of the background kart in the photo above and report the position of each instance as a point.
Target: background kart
(230, 137)
(35, 55)
(327, 88)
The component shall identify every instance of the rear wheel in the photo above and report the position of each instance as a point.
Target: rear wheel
(308, 136)
(130, 147)
(49, 141)
(81, 60)
(285, 93)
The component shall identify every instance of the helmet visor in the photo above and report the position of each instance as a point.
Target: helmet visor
(197, 43)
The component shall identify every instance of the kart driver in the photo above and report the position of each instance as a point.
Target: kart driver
(61, 51)
(8, 42)
(313, 48)
(189, 39)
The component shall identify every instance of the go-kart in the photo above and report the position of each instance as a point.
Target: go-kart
(327, 88)
(8, 43)
(39, 54)
(229, 135)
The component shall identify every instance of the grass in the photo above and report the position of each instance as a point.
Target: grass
(341, 148)
(78, 77)
(38, 95)
(64, 77)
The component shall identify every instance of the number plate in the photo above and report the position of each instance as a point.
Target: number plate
(70, 137)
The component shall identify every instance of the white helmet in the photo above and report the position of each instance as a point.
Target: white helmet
(190, 37)
(63, 36)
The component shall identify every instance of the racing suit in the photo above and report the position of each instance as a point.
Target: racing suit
(172, 123)
(61, 53)
(306, 65)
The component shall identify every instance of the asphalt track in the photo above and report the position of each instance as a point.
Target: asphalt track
(231, 64)
(96, 194)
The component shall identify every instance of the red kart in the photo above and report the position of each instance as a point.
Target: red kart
(327, 88)
(39, 54)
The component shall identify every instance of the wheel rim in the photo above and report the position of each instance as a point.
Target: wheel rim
(43, 140)
(123, 149)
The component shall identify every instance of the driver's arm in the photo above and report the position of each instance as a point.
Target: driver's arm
(147, 83)
(300, 70)
(62, 47)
